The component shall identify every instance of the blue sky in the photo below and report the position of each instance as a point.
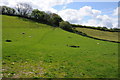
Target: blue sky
(106, 7)
(96, 5)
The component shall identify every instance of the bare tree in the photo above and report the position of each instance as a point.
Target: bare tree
(23, 9)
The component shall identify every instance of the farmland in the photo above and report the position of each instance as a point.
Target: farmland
(40, 51)
(112, 36)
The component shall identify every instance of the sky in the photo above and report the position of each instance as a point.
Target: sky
(83, 12)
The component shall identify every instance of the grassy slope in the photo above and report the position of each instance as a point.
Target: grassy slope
(112, 36)
(46, 54)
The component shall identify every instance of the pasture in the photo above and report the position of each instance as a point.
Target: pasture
(112, 36)
(40, 51)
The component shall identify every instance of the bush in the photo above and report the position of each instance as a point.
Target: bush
(56, 19)
(65, 25)
(7, 10)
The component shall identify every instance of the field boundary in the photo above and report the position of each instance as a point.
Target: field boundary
(85, 35)
(94, 28)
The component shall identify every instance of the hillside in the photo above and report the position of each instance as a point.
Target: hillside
(112, 36)
(37, 50)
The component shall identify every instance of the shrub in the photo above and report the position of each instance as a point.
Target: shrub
(65, 25)
(56, 19)
(7, 10)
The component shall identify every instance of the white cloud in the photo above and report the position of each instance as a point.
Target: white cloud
(96, 12)
(70, 15)
(96, 17)
(115, 22)
(86, 10)
(115, 12)
(102, 21)
(76, 16)
(91, 22)
(45, 5)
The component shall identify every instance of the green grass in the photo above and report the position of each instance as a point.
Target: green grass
(43, 52)
(112, 36)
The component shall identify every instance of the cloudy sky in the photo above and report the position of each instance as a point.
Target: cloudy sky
(77, 11)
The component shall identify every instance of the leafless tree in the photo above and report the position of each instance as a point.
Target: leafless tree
(23, 9)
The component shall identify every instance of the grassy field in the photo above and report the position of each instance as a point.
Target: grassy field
(40, 51)
(112, 36)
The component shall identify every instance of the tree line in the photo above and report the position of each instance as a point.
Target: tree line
(26, 11)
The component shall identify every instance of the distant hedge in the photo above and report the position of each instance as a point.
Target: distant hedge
(97, 28)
